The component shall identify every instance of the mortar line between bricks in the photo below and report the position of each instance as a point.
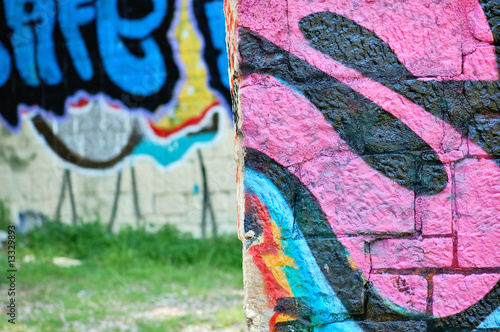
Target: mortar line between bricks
(430, 293)
(454, 213)
(368, 252)
(384, 236)
(418, 223)
(437, 270)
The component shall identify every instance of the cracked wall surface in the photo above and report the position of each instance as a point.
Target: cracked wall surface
(368, 140)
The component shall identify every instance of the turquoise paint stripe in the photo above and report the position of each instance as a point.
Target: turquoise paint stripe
(492, 321)
(348, 326)
(172, 152)
(307, 280)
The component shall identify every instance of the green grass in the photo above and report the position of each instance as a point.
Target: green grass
(168, 245)
(129, 281)
(4, 215)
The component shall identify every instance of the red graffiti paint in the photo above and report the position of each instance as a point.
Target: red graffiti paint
(266, 247)
(191, 122)
(80, 103)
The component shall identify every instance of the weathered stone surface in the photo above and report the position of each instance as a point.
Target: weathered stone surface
(452, 290)
(405, 253)
(406, 291)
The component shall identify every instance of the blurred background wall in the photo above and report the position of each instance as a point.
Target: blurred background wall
(117, 110)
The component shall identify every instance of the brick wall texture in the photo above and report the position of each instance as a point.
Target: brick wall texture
(368, 140)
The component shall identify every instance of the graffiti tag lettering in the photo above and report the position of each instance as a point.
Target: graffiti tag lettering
(52, 49)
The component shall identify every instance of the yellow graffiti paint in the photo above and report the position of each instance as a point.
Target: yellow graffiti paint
(277, 262)
(285, 318)
(352, 263)
(195, 97)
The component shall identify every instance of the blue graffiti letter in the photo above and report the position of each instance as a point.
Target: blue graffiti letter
(72, 14)
(216, 23)
(32, 22)
(5, 65)
(139, 75)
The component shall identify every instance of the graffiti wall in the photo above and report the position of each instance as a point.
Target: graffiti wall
(93, 89)
(369, 189)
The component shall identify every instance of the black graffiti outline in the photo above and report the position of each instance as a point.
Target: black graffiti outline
(210, 53)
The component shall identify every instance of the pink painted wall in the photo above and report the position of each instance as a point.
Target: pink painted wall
(350, 99)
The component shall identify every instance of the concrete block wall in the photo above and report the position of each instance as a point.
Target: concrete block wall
(88, 97)
(368, 180)
(31, 181)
